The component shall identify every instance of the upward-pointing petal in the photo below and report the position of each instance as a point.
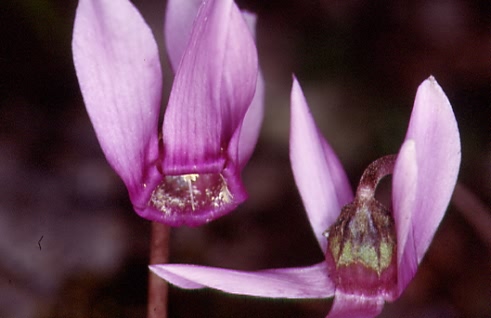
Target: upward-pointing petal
(213, 88)
(404, 183)
(247, 135)
(434, 131)
(179, 17)
(319, 176)
(118, 69)
(251, 126)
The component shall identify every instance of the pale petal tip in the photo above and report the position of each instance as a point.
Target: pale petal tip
(295, 81)
(154, 268)
(432, 84)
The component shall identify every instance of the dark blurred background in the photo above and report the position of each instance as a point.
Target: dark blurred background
(70, 244)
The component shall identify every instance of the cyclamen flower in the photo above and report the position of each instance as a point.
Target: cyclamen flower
(371, 253)
(191, 175)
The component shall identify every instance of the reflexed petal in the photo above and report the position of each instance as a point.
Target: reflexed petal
(251, 20)
(178, 26)
(437, 152)
(355, 306)
(213, 88)
(179, 17)
(304, 282)
(118, 69)
(251, 127)
(319, 176)
(404, 185)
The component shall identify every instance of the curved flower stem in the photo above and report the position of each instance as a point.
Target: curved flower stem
(477, 214)
(373, 174)
(157, 287)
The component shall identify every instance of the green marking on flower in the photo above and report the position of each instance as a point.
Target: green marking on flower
(364, 234)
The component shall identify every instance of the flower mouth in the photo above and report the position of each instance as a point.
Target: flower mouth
(191, 193)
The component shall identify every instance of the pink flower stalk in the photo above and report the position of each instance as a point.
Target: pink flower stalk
(191, 173)
(371, 253)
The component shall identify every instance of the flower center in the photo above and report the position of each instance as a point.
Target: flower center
(362, 243)
(188, 193)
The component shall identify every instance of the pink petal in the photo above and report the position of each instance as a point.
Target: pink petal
(355, 306)
(179, 17)
(213, 88)
(320, 178)
(302, 282)
(433, 165)
(405, 179)
(248, 134)
(118, 69)
(251, 127)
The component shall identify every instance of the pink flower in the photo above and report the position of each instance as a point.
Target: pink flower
(371, 254)
(191, 175)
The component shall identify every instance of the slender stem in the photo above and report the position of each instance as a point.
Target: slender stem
(157, 287)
